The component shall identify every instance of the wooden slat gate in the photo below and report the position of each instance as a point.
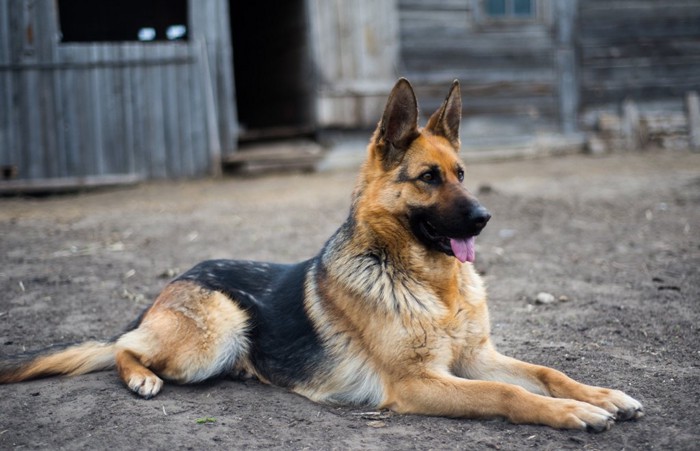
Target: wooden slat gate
(85, 112)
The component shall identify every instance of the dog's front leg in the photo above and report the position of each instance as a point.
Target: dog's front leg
(448, 395)
(488, 364)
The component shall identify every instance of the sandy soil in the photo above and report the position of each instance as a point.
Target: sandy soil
(616, 238)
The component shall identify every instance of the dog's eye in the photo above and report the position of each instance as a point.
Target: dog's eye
(460, 175)
(430, 177)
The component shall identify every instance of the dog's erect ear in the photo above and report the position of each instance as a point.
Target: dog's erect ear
(445, 121)
(399, 124)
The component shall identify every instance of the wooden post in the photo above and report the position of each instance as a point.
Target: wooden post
(211, 113)
(567, 64)
(631, 130)
(692, 104)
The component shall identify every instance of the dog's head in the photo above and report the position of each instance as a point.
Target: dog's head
(415, 176)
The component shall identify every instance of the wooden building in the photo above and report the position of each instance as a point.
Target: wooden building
(110, 92)
(121, 90)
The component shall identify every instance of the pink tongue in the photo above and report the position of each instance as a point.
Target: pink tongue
(464, 249)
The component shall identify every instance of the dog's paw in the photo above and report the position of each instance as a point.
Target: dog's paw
(147, 386)
(584, 416)
(623, 406)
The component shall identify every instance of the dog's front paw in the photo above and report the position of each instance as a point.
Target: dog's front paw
(623, 406)
(581, 415)
(147, 386)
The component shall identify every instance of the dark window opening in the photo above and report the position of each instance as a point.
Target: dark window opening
(123, 20)
(509, 9)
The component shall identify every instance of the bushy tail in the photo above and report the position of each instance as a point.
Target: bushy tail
(71, 360)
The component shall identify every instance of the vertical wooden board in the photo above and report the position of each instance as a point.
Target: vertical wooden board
(325, 23)
(60, 124)
(198, 25)
(44, 37)
(28, 97)
(566, 64)
(183, 105)
(53, 160)
(154, 97)
(145, 92)
(85, 143)
(111, 92)
(171, 121)
(125, 54)
(387, 32)
(5, 32)
(97, 120)
(16, 119)
(200, 143)
(7, 157)
(16, 31)
(228, 122)
(70, 121)
(207, 17)
(46, 32)
(7, 142)
(138, 107)
(692, 107)
(30, 123)
(48, 22)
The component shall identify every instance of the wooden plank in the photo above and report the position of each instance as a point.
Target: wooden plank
(200, 144)
(126, 109)
(214, 144)
(53, 160)
(8, 144)
(171, 123)
(287, 155)
(110, 93)
(567, 66)
(5, 30)
(68, 104)
(183, 106)
(137, 108)
(228, 121)
(65, 184)
(155, 132)
(434, 5)
(693, 111)
(631, 129)
(96, 119)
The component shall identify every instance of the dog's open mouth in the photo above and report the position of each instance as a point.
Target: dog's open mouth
(464, 249)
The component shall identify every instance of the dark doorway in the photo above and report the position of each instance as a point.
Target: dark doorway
(272, 67)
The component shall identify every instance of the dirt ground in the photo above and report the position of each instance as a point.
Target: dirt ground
(614, 239)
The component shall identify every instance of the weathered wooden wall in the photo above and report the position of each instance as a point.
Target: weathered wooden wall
(356, 55)
(74, 110)
(641, 49)
(503, 67)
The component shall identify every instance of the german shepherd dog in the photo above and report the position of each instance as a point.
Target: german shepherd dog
(391, 313)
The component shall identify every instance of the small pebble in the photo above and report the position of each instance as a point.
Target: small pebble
(544, 298)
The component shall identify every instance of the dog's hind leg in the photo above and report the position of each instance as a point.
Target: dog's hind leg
(190, 334)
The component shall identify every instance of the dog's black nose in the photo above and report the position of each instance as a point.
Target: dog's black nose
(480, 216)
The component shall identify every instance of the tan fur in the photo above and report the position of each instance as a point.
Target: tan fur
(189, 334)
(73, 360)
